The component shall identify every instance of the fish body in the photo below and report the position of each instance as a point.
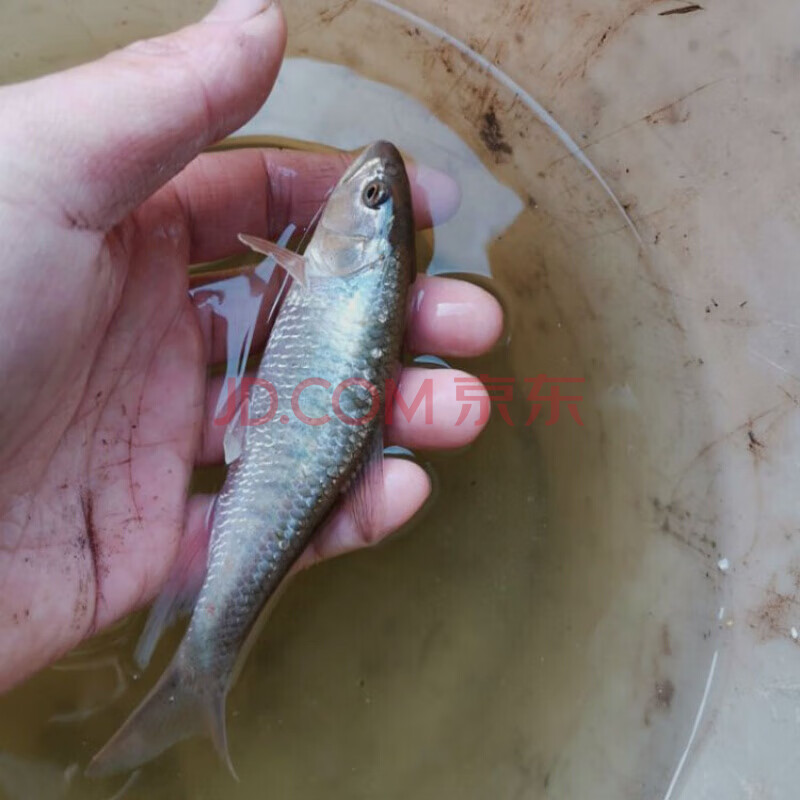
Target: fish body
(312, 422)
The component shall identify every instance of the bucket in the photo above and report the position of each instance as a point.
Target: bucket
(601, 601)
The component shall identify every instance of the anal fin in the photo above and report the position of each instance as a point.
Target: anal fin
(179, 593)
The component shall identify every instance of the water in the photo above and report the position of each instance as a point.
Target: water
(546, 627)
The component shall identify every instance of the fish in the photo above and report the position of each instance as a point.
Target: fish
(311, 436)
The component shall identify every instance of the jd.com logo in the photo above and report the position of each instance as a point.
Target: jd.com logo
(482, 391)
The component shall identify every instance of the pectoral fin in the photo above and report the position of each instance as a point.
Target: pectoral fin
(233, 441)
(293, 263)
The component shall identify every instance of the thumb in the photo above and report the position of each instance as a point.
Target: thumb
(103, 136)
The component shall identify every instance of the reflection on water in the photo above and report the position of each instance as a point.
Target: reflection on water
(545, 628)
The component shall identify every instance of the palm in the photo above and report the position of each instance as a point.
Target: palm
(108, 507)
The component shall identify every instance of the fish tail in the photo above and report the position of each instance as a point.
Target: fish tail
(180, 705)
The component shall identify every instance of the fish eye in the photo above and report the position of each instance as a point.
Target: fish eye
(375, 193)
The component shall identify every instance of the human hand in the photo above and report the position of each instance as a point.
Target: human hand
(105, 407)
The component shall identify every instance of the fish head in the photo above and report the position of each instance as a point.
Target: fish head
(367, 217)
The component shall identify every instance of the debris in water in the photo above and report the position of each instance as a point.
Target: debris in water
(723, 565)
(681, 10)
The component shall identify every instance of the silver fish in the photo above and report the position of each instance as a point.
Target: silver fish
(341, 325)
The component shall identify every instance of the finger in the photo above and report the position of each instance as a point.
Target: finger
(115, 130)
(446, 316)
(450, 317)
(425, 411)
(262, 191)
(406, 486)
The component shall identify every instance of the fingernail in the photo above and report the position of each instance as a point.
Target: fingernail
(237, 10)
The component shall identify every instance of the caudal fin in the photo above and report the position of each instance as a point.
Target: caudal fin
(178, 706)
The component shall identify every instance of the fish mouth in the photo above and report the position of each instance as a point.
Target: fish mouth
(382, 151)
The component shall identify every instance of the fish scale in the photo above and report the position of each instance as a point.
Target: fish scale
(342, 320)
(239, 536)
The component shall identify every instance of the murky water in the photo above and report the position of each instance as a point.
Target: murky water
(545, 628)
